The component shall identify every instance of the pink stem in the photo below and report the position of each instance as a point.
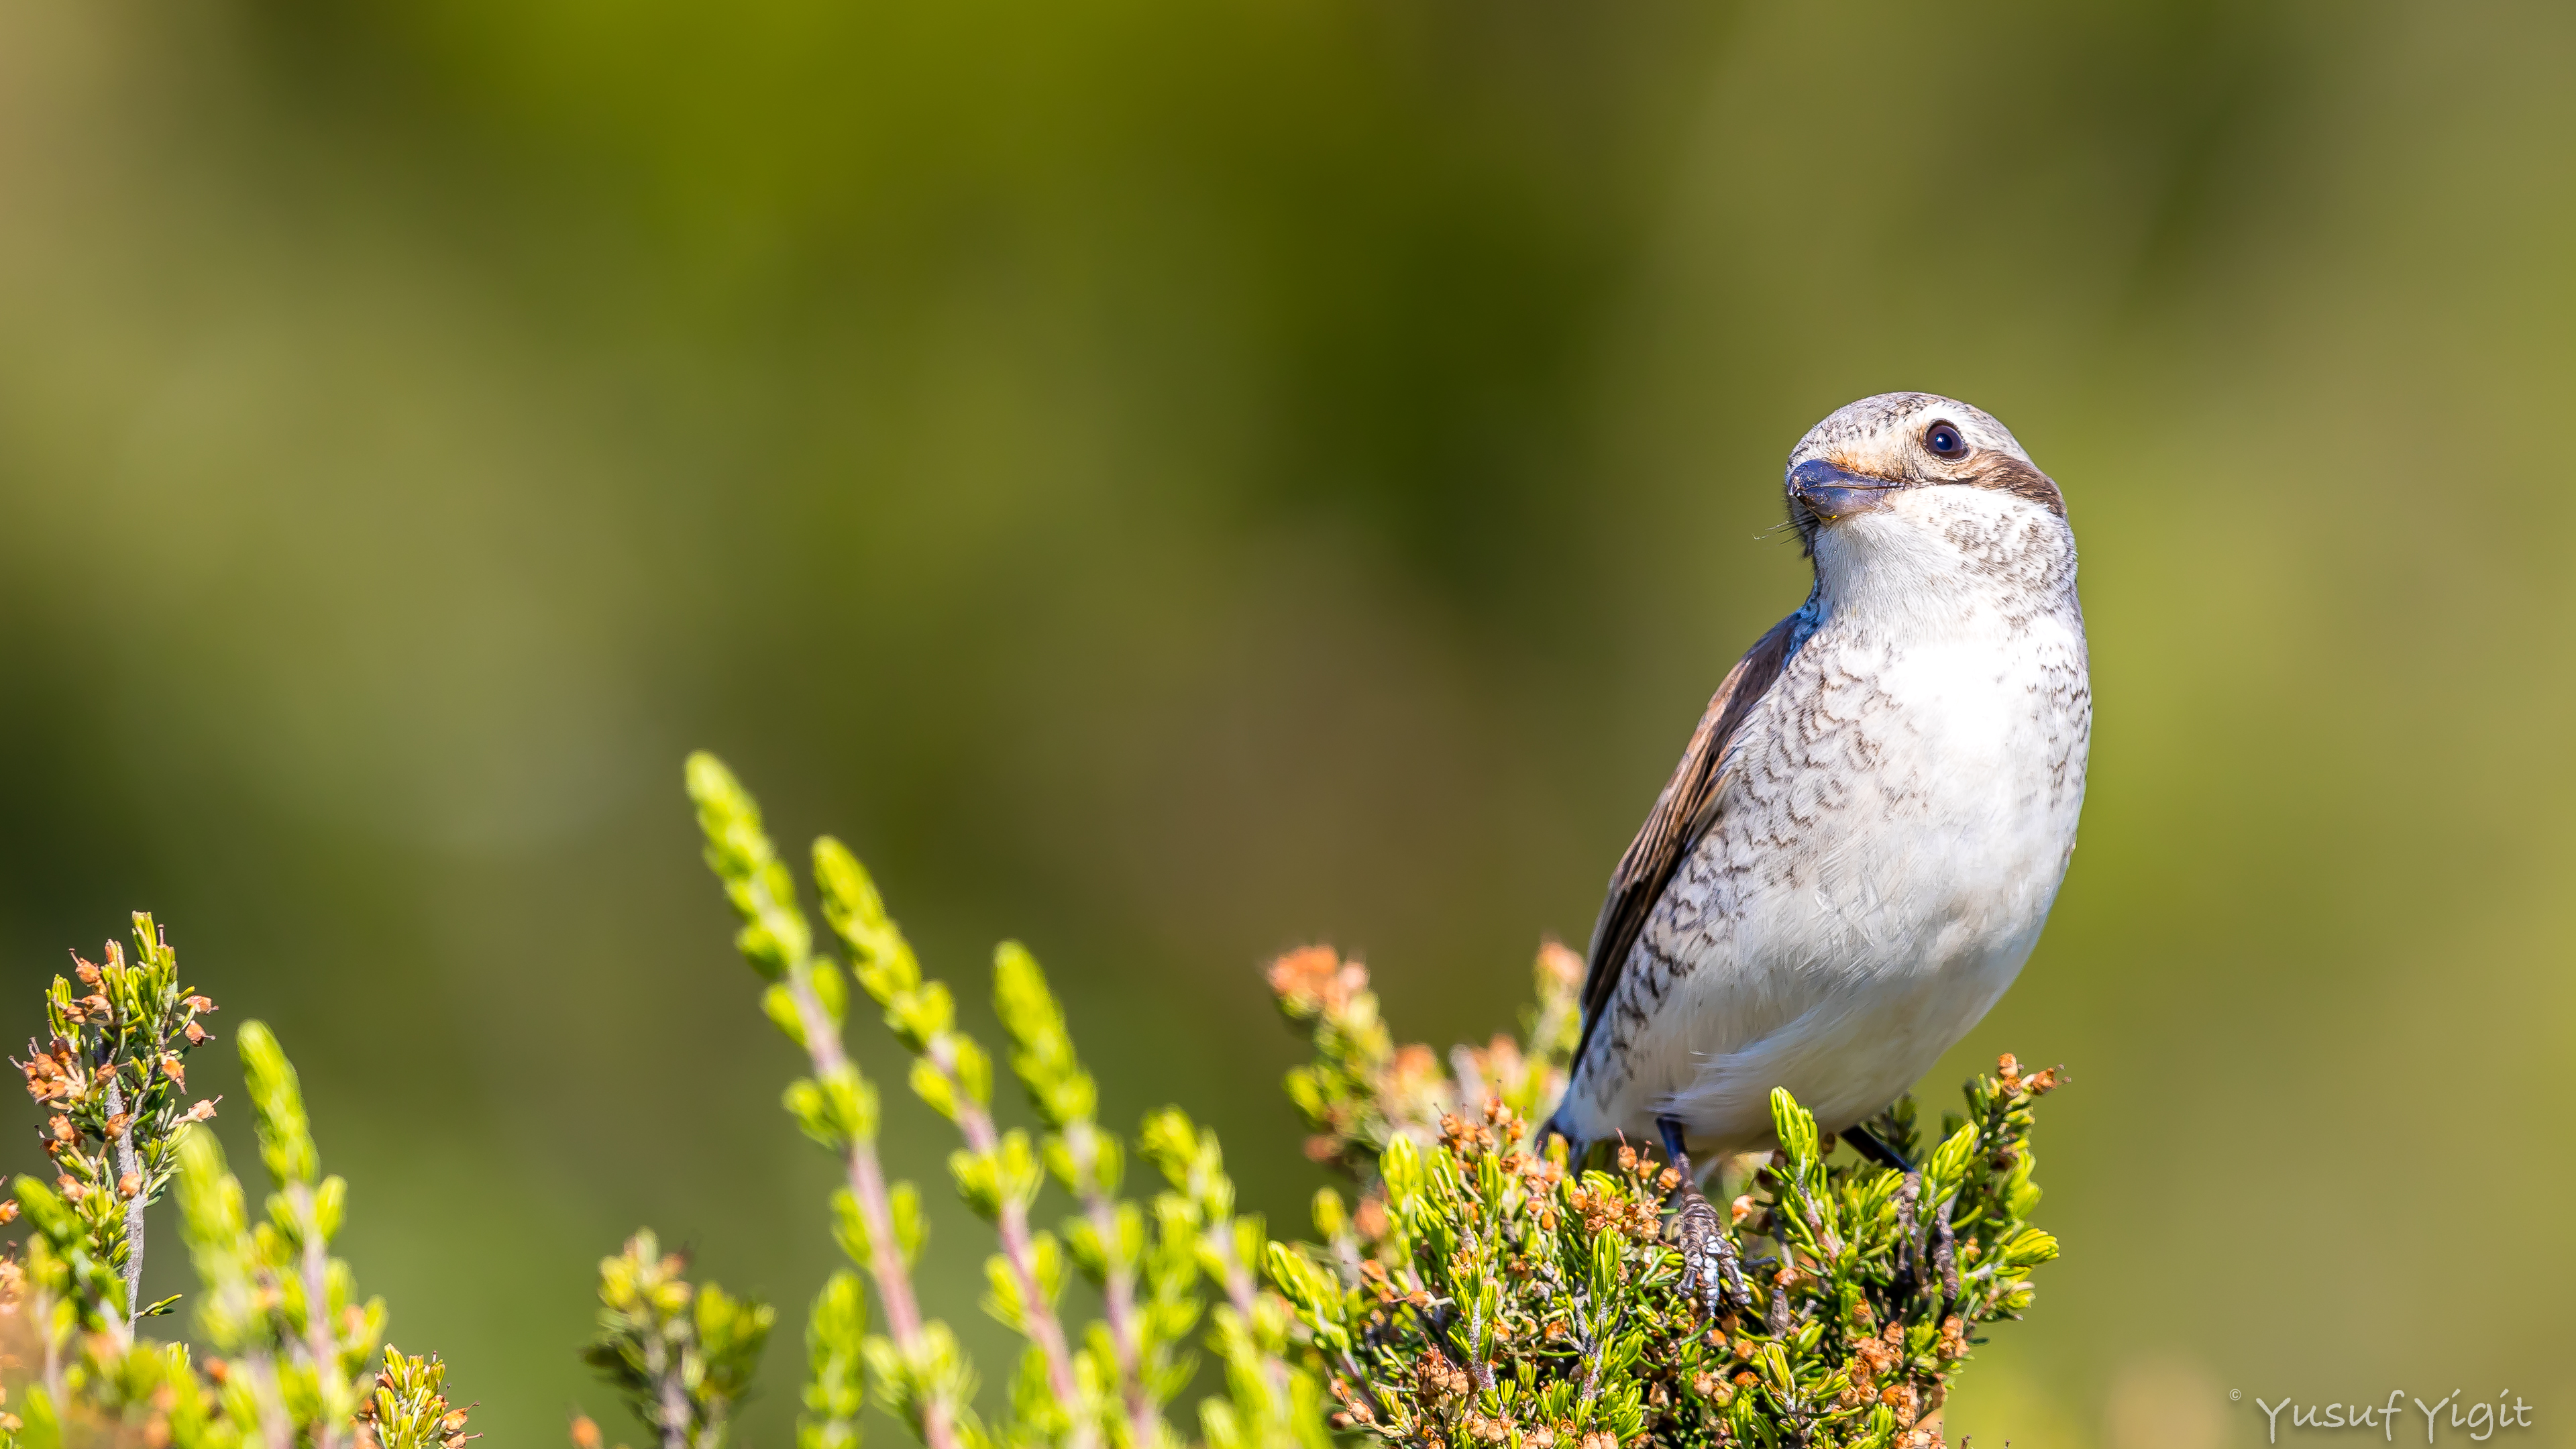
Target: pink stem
(976, 1125)
(1118, 1298)
(876, 1209)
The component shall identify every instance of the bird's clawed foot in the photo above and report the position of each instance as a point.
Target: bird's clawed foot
(1710, 1273)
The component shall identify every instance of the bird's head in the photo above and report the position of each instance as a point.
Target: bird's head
(1909, 484)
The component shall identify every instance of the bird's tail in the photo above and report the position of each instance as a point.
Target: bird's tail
(1556, 1126)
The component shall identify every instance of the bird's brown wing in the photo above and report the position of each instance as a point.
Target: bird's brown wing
(1681, 815)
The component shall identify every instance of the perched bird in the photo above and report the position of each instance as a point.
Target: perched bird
(1865, 833)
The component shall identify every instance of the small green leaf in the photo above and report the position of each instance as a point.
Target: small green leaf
(2030, 1248)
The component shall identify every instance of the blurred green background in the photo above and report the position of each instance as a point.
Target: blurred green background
(1172, 481)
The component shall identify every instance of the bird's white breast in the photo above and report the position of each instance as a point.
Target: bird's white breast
(1898, 812)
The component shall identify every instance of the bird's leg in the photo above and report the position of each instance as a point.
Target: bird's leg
(1709, 1270)
(1868, 1144)
(1911, 1271)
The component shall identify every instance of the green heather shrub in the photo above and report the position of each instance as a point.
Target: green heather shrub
(288, 1343)
(1476, 1287)
(1488, 1291)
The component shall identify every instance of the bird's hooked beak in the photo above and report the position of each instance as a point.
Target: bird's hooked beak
(1830, 493)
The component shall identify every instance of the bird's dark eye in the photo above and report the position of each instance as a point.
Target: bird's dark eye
(1944, 440)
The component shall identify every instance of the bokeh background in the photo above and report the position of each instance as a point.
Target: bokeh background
(1172, 481)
